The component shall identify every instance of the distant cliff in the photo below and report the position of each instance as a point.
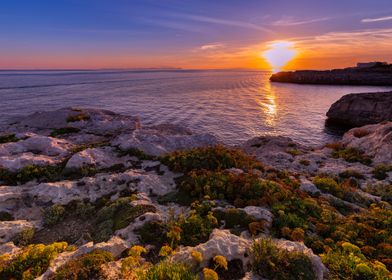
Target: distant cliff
(377, 75)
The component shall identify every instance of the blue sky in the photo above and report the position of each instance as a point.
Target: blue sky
(190, 34)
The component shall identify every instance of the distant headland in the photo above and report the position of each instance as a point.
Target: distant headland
(369, 73)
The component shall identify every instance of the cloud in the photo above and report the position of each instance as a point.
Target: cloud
(367, 20)
(174, 25)
(211, 46)
(291, 21)
(220, 21)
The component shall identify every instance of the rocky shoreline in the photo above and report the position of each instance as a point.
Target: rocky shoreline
(91, 193)
(372, 76)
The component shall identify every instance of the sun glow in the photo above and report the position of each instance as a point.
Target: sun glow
(279, 54)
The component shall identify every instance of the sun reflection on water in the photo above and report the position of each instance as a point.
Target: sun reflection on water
(267, 102)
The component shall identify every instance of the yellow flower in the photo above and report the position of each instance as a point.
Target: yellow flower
(209, 274)
(136, 251)
(165, 251)
(221, 261)
(197, 256)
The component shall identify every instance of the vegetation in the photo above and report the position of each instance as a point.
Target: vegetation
(64, 130)
(29, 173)
(350, 154)
(328, 185)
(380, 171)
(24, 237)
(348, 262)
(210, 158)
(169, 271)
(84, 267)
(78, 117)
(31, 262)
(8, 138)
(271, 262)
(53, 215)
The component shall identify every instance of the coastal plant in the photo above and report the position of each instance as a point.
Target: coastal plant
(350, 154)
(210, 274)
(78, 117)
(133, 264)
(64, 130)
(167, 270)
(24, 237)
(380, 171)
(6, 216)
(53, 215)
(31, 262)
(329, 185)
(234, 219)
(210, 158)
(348, 262)
(272, 262)
(84, 267)
(7, 138)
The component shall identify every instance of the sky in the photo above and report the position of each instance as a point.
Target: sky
(204, 34)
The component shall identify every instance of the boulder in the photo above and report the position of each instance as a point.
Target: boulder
(115, 246)
(275, 151)
(95, 121)
(360, 109)
(374, 140)
(9, 229)
(318, 267)
(221, 242)
(96, 157)
(159, 140)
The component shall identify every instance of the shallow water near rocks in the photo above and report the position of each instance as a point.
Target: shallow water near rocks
(233, 105)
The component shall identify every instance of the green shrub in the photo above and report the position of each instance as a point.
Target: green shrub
(348, 262)
(30, 172)
(351, 155)
(31, 262)
(84, 267)
(5, 216)
(210, 158)
(293, 152)
(24, 237)
(53, 215)
(8, 138)
(169, 271)
(133, 152)
(380, 171)
(240, 189)
(328, 185)
(78, 118)
(234, 218)
(64, 130)
(269, 261)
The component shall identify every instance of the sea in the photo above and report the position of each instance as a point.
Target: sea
(234, 105)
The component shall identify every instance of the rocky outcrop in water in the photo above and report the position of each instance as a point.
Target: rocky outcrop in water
(360, 109)
(372, 76)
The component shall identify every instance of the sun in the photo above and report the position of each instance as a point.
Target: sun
(279, 54)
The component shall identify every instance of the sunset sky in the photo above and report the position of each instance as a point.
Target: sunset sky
(191, 34)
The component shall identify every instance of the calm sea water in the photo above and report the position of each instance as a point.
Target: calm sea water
(233, 105)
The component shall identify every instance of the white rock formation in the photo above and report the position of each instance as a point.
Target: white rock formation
(97, 157)
(375, 140)
(163, 139)
(221, 242)
(115, 246)
(9, 229)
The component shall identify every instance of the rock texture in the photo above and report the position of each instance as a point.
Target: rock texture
(361, 109)
(375, 140)
(158, 140)
(372, 76)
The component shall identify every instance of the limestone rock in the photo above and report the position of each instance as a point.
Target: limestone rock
(9, 248)
(163, 139)
(221, 242)
(375, 140)
(97, 157)
(360, 109)
(273, 150)
(318, 267)
(9, 229)
(115, 246)
(259, 213)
